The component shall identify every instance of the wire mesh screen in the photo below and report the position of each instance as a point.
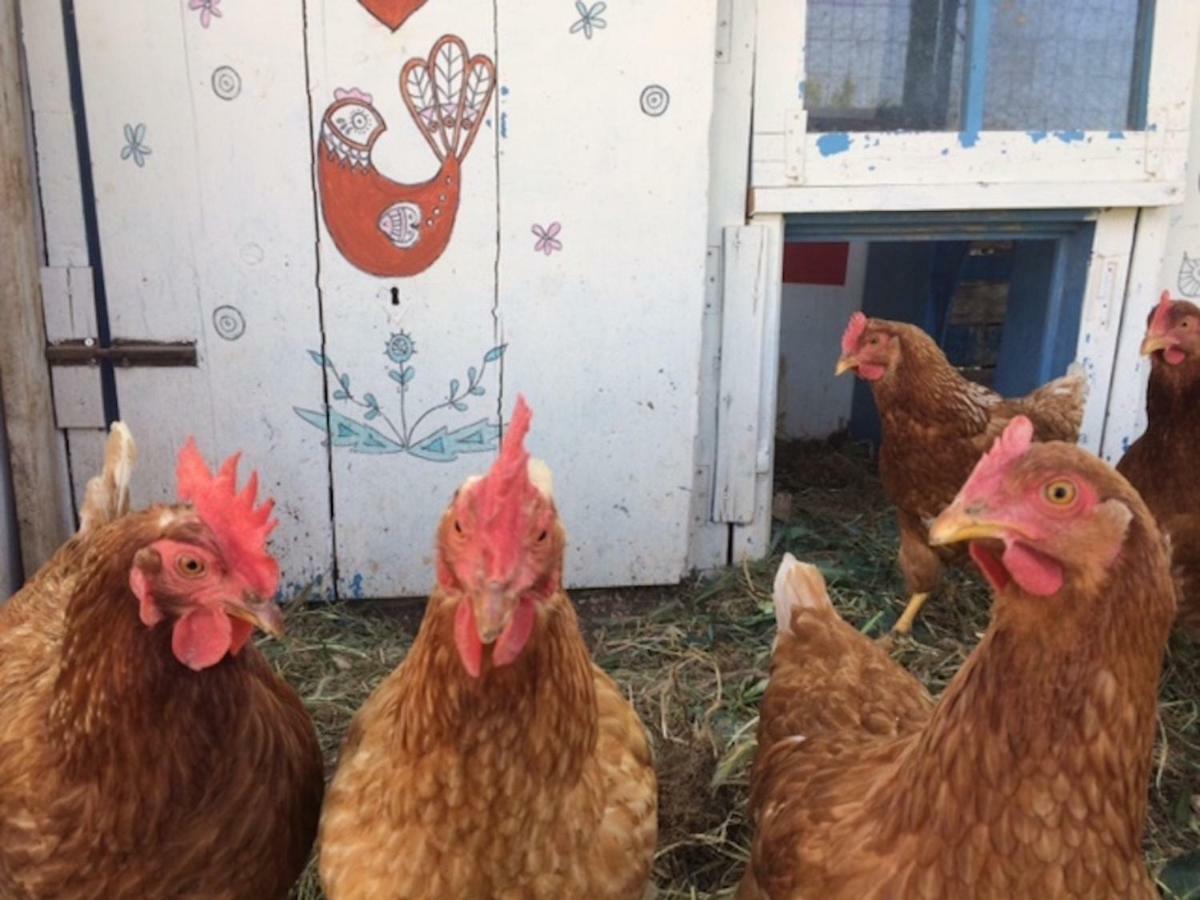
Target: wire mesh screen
(900, 64)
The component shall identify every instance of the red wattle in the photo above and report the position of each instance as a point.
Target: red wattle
(871, 371)
(1035, 572)
(466, 639)
(201, 638)
(1174, 356)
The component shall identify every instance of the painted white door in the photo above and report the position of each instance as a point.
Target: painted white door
(381, 220)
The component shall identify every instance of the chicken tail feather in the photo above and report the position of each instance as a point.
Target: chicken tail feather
(447, 95)
(107, 495)
(798, 585)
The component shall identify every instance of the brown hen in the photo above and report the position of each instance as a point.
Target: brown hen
(1162, 462)
(1029, 776)
(497, 761)
(147, 749)
(936, 425)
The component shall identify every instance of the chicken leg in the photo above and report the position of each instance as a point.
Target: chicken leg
(922, 568)
(905, 623)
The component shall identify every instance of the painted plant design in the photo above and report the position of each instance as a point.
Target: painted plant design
(376, 430)
(384, 227)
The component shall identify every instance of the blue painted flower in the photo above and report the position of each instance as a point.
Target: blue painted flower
(589, 18)
(134, 146)
(400, 348)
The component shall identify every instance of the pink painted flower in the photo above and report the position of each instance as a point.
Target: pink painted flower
(208, 9)
(547, 238)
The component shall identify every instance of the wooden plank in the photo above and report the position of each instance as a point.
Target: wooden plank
(752, 541)
(29, 415)
(391, 486)
(11, 574)
(743, 342)
(779, 73)
(605, 334)
(202, 171)
(729, 142)
(872, 198)
(1100, 322)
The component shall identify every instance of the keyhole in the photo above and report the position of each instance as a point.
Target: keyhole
(395, 296)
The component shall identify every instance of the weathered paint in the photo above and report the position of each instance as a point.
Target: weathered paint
(833, 143)
(1068, 136)
(968, 139)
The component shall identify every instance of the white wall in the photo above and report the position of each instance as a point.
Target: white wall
(812, 403)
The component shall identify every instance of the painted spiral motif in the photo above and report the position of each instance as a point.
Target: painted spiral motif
(226, 82)
(655, 100)
(228, 322)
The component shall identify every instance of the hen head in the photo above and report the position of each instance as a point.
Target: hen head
(355, 119)
(1040, 516)
(500, 551)
(1172, 332)
(209, 573)
(868, 347)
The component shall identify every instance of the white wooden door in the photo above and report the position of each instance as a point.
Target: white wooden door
(379, 221)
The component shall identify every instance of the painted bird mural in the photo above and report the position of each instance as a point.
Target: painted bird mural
(384, 227)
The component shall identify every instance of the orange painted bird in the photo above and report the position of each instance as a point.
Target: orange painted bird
(1162, 463)
(1028, 777)
(497, 760)
(936, 426)
(147, 749)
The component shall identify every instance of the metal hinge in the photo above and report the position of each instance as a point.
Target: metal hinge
(88, 352)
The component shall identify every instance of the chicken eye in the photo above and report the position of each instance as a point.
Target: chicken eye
(190, 566)
(874, 340)
(1060, 493)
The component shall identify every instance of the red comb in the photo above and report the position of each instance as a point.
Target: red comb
(504, 492)
(241, 529)
(1160, 322)
(1015, 441)
(853, 333)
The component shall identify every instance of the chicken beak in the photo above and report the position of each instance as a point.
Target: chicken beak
(493, 611)
(263, 614)
(957, 524)
(1154, 343)
(845, 364)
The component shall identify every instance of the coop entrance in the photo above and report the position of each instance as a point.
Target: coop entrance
(1001, 294)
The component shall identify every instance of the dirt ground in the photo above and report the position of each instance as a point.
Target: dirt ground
(694, 659)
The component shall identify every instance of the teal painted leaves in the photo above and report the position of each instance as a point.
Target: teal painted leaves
(370, 428)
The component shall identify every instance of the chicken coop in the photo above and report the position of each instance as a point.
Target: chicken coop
(342, 237)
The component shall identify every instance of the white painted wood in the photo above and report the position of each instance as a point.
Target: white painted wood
(605, 335)
(54, 124)
(219, 213)
(729, 143)
(77, 399)
(1100, 320)
(1060, 195)
(69, 303)
(742, 364)
(812, 403)
(753, 541)
(1125, 416)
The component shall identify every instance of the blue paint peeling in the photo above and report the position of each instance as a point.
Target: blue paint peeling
(945, 151)
(833, 143)
(1116, 135)
(800, 90)
(356, 586)
(1068, 136)
(1125, 444)
(1037, 136)
(968, 139)
(503, 124)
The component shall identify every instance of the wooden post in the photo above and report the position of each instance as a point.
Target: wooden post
(24, 376)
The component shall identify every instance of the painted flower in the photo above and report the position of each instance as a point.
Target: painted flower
(208, 10)
(547, 238)
(134, 147)
(400, 348)
(589, 18)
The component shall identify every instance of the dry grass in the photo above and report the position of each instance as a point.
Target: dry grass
(694, 658)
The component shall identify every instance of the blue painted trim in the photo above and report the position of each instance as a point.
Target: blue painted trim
(1143, 50)
(979, 28)
(1054, 308)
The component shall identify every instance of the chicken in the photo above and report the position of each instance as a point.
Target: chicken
(936, 426)
(147, 749)
(1160, 463)
(381, 226)
(497, 761)
(1029, 776)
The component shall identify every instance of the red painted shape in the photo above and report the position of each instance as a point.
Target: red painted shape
(392, 13)
(815, 263)
(385, 227)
